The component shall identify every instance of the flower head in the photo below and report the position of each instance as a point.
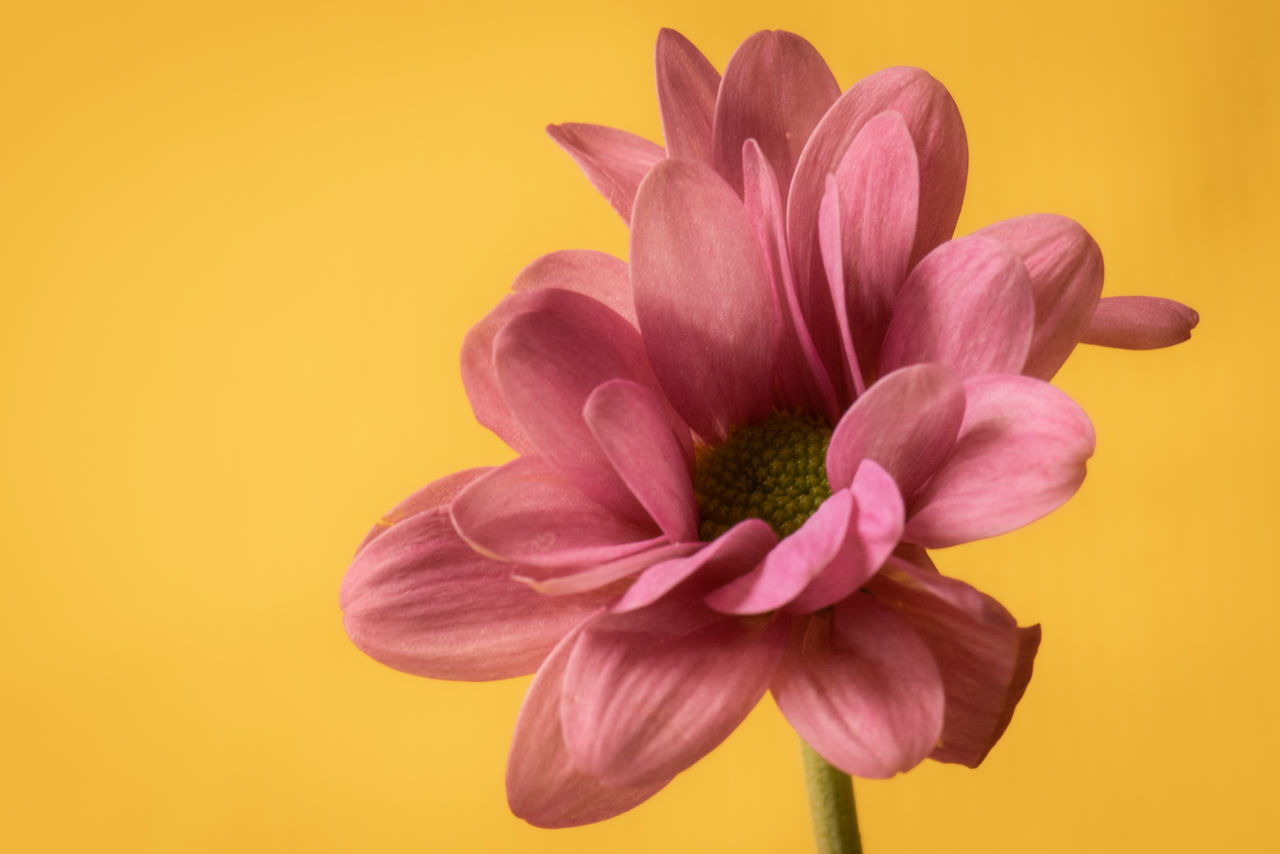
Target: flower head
(734, 452)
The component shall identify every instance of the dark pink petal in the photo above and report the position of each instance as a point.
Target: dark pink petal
(860, 687)
(879, 181)
(614, 161)
(687, 86)
(733, 553)
(526, 513)
(830, 237)
(1021, 452)
(802, 380)
(1065, 266)
(635, 434)
(703, 298)
(776, 87)
(595, 274)
(650, 692)
(561, 581)
(439, 493)
(543, 786)
(907, 422)
(984, 657)
(967, 305)
(1140, 323)
(420, 600)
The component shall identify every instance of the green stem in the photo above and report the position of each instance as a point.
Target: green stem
(835, 820)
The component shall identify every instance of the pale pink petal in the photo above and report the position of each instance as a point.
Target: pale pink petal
(1065, 266)
(730, 555)
(907, 422)
(703, 298)
(1140, 323)
(802, 380)
(984, 657)
(967, 305)
(595, 274)
(438, 493)
(562, 581)
(526, 513)
(1021, 453)
(830, 238)
(613, 160)
(776, 87)
(635, 434)
(650, 692)
(860, 687)
(420, 600)
(543, 786)
(687, 86)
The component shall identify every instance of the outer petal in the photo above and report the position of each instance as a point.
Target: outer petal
(1140, 323)
(775, 89)
(862, 689)
(1065, 266)
(439, 493)
(703, 298)
(614, 161)
(595, 274)
(649, 693)
(687, 86)
(525, 512)
(984, 657)
(544, 787)
(907, 422)
(1021, 453)
(420, 600)
(968, 305)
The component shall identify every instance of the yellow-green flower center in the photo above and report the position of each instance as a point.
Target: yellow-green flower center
(775, 471)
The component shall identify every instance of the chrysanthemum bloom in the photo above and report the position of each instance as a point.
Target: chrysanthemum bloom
(734, 453)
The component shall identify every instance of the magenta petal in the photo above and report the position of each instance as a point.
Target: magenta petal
(967, 305)
(562, 581)
(1021, 452)
(544, 787)
(420, 600)
(907, 422)
(703, 298)
(595, 274)
(438, 493)
(776, 87)
(861, 688)
(984, 657)
(650, 692)
(830, 238)
(526, 513)
(687, 86)
(614, 161)
(733, 553)
(1065, 266)
(635, 434)
(1140, 323)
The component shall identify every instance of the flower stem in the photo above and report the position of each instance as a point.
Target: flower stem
(835, 820)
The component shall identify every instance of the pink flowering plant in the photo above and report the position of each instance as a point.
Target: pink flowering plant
(735, 452)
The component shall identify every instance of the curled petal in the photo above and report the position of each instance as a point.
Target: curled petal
(687, 86)
(585, 271)
(562, 581)
(1140, 323)
(438, 493)
(614, 161)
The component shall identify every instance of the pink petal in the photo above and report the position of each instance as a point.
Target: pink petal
(1065, 267)
(687, 86)
(984, 657)
(775, 89)
(544, 787)
(439, 493)
(595, 274)
(860, 686)
(1021, 452)
(420, 600)
(907, 422)
(968, 305)
(830, 238)
(635, 434)
(561, 581)
(730, 555)
(614, 161)
(525, 512)
(650, 692)
(1140, 323)
(703, 298)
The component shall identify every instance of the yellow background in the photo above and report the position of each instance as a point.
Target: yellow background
(240, 244)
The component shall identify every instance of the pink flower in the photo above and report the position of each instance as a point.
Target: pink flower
(733, 454)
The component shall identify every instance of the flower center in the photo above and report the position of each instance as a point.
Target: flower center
(775, 471)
